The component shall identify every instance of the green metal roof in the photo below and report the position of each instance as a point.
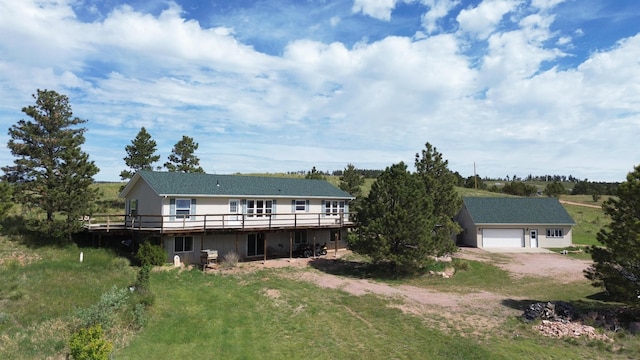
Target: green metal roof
(515, 210)
(176, 183)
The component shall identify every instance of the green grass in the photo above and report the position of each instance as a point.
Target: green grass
(589, 221)
(43, 287)
(266, 315)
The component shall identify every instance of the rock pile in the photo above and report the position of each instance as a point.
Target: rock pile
(569, 329)
(556, 311)
(560, 319)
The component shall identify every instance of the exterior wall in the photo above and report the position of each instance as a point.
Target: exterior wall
(555, 242)
(237, 242)
(148, 201)
(469, 235)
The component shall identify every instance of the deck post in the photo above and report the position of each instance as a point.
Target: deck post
(290, 246)
(264, 261)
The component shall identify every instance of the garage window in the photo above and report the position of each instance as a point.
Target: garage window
(555, 233)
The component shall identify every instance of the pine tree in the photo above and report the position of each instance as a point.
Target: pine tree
(396, 222)
(51, 172)
(182, 157)
(617, 264)
(140, 154)
(314, 175)
(439, 183)
(351, 181)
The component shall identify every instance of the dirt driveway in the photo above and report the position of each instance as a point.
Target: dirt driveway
(470, 313)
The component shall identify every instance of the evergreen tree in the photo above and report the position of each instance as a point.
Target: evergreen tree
(182, 157)
(554, 189)
(475, 182)
(439, 183)
(51, 172)
(617, 263)
(314, 175)
(6, 198)
(140, 154)
(396, 222)
(351, 181)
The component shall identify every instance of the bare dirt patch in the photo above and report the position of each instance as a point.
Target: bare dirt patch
(559, 267)
(474, 313)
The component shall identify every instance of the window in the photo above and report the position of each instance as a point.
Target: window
(133, 207)
(259, 208)
(255, 244)
(300, 205)
(182, 244)
(183, 208)
(233, 206)
(554, 233)
(300, 237)
(333, 207)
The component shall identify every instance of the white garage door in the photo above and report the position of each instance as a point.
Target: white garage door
(502, 238)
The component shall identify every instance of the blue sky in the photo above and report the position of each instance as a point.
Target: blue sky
(514, 86)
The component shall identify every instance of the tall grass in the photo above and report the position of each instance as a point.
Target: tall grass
(43, 287)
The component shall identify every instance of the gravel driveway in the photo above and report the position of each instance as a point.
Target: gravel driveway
(473, 312)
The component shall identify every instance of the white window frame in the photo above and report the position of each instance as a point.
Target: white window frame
(300, 205)
(180, 210)
(334, 207)
(555, 233)
(259, 207)
(184, 240)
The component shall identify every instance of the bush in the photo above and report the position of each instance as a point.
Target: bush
(88, 344)
(104, 312)
(151, 255)
(142, 281)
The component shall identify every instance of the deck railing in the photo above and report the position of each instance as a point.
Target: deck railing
(211, 222)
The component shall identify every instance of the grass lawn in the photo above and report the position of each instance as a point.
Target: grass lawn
(265, 315)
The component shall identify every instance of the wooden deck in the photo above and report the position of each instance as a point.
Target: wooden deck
(173, 224)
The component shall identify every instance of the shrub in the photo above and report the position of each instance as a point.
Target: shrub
(229, 260)
(151, 255)
(142, 281)
(105, 310)
(88, 344)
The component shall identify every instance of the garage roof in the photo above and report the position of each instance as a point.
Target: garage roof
(516, 210)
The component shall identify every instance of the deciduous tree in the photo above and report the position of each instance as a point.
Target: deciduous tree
(182, 157)
(141, 154)
(51, 172)
(616, 265)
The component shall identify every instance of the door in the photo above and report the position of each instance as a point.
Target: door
(502, 238)
(533, 238)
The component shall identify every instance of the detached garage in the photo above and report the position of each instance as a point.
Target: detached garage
(514, 223)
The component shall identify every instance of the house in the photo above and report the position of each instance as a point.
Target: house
(514, 222)
(253, 216)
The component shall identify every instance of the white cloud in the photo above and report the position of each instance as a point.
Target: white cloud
(481, 20)
(500, 101)
(438, 9)
(378, 9)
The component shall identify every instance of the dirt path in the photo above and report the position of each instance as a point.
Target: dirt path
(470, 313)
(580, 204)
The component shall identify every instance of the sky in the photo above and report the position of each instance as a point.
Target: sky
(512, 87)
